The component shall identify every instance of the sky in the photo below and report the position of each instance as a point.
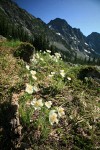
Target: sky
(83, 14)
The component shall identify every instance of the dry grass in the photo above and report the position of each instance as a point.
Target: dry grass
(10, 67)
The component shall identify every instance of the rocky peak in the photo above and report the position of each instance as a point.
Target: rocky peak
(73, 36)
(59, 22)
(94, 41)
(60, 26)
(94, 36)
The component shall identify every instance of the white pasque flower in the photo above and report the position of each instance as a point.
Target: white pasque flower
(53, 117)
(37, 104)
(35, 88)
(34, 60)
(33, 73)
(62, 73)
(44, 52)
(48, 104)
(27, 67)
(29, 88)
(54, 58)
(48, 51)
(41, 59)
(52, 74)
(68, 78)
(37, 56)
(34, 77)
(58, 55)
(61, 112)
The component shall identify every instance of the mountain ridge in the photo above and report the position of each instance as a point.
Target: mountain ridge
(73, 36)
(65, 38)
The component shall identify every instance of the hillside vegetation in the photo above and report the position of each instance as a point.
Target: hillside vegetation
(17, 23)
(57, 103)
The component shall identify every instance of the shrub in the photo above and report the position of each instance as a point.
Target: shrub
(89, 72)
(24, 51)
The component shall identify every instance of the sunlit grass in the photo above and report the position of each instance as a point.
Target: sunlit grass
(11, 43)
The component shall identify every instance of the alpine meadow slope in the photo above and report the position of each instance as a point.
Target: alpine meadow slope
(47, 102)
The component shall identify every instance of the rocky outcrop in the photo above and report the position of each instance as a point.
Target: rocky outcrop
(89, 73)
(10, 127)
(2, 39)
(94, 41)
(15, 122)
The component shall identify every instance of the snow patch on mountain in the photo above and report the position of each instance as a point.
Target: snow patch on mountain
(86, 44)
(58, 33)
(50, 26)
(87, 51)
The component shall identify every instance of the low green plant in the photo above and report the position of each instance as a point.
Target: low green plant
(11, 43)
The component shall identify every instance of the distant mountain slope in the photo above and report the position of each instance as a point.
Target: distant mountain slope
(94, 41)
(69, 40)
(73, 36)
(34, 26)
